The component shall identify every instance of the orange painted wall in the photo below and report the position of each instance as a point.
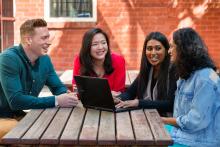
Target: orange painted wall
(127, 22)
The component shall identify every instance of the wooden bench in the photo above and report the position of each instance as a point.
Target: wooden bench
(80, 126)
(66, 78)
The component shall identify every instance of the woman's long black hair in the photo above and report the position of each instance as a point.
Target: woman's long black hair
(192, 53)
(146, 66)
(86, 58)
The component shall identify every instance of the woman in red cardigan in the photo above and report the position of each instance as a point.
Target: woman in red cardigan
(95, 59)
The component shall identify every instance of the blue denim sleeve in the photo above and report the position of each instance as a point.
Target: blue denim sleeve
(201, 107)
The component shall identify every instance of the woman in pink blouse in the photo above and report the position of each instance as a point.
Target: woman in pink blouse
(95, 59)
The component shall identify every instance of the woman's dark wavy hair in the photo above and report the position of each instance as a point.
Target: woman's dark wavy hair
(192, 53)
(146, 66)
(85, 57)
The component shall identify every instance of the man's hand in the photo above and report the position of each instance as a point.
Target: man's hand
(129, 103)
(67, 100)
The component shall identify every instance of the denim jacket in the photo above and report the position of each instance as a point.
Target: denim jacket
(197, 110)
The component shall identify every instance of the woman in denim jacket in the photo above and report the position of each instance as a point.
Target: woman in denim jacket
(196, 121)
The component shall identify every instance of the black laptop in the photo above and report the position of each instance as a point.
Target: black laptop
(95, 93)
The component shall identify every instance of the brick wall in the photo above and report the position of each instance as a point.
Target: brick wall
(127, 22)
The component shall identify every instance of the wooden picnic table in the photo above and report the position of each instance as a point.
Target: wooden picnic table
(66, 78)
(80, 126)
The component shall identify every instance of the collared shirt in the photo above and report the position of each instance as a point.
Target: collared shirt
(197, 110)
(21, 82)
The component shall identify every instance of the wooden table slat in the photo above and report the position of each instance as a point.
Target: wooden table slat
(16, 133)
(160, 134)
(124, 134)
(79, 126)
(53, 132)
(106, 134)
(33, 135)
(73, 127)
(142, 131)
(89, 131)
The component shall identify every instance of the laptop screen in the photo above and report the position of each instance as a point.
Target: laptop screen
(95, 93)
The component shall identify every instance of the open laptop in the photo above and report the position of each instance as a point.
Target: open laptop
(95, 93)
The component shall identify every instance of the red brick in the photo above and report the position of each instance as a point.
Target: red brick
(127, 23)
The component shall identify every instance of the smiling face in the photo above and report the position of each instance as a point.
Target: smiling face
(155, 52)
(99, 47)
(172, 51)
(39, 41)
